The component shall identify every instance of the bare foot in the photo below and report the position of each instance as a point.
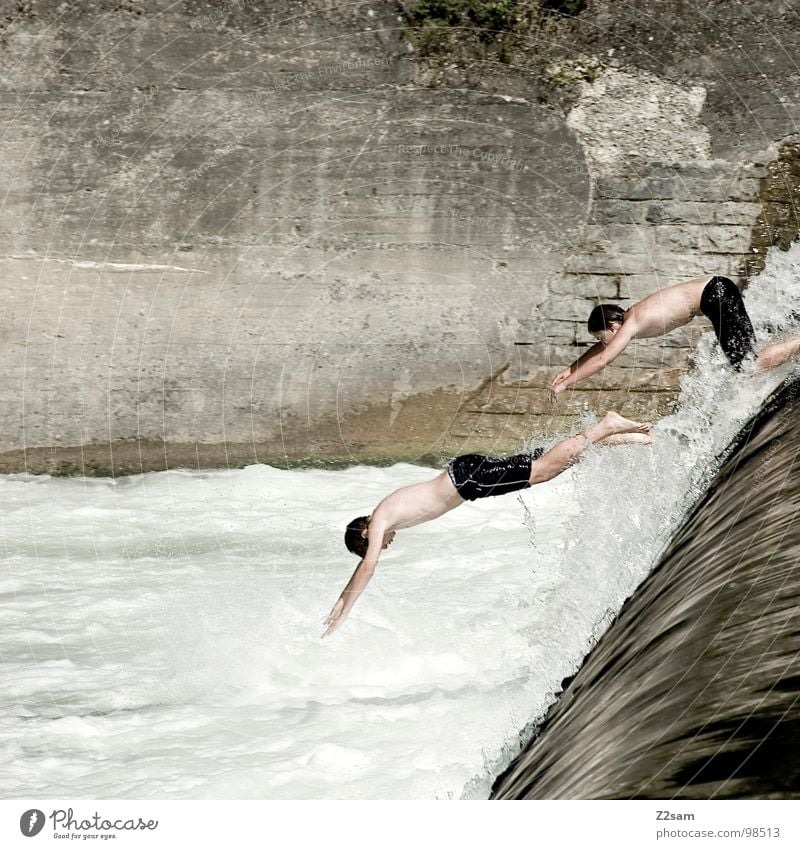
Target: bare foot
(618, 424)
(628, 439)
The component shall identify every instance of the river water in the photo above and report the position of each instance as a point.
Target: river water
(160, 634)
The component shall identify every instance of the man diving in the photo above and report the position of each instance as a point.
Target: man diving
(467, 478)
(717, 298)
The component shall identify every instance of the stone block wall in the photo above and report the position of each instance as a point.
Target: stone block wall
(650, 225)
(236, 231)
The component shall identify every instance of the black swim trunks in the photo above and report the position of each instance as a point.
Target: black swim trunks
(475, 476)
(722, 303)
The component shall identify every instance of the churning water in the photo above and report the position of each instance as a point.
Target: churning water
(160, 635)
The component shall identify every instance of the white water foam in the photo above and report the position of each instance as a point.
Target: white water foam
(160, 635)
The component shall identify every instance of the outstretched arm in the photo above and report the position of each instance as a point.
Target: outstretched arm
(355, 586)
(586, 356)
(360, 578)
(595, 359)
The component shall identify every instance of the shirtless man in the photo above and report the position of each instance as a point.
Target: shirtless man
(717, 298)
(467, 478)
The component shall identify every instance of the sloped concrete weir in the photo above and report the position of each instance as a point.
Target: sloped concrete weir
(694, 691)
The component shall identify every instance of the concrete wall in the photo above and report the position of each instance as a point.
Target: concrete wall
(238, 231)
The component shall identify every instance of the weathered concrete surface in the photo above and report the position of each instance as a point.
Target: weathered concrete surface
(239, 231)
(237, 228)
(687, 115)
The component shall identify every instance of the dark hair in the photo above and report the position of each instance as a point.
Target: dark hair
(603, 316)
(352, 536)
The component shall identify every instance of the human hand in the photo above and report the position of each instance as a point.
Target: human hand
(557, 386)
(335, 618)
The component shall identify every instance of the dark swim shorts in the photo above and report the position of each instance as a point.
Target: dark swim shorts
(722, 303)
(475, 476)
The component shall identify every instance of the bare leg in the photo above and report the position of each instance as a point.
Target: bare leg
(776, 355)
(628, 439)
(567, 452)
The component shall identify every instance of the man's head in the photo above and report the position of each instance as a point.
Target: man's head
(356, 537)
(605, 320)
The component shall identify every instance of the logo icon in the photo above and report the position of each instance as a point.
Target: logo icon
(31, 822)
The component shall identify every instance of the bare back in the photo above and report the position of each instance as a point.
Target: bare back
(417, 503)
(666, 309)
